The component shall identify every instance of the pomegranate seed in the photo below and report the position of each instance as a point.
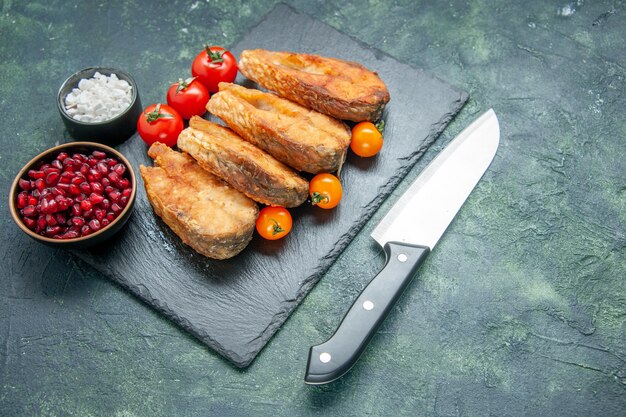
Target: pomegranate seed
(24, 184)
(64, 204)
(124, 183)
(85, 205)
(84, 168)
(41, 223)
(95, 225)
(102, 168)
(32, 201)
(80, 198)
(30, 223)
(68, 161)
(116, 208)
(64, 187)
(119, 169)
(77, 179)
(55, 191)
(115, 195)
(111, 162)
(95, 173)
(76, 211)
(123, 201)
(79, 158)
(60, 218)
(62, 155)
(85, 230)
(84, 187)
(29, 211)
(73, 189)
(96, 198)
(50, 170)
(88, 214)
(22, 199)
(110, 216)
(108, 189)
(106, 182)
(40, 184)
(126, 192)
(96, 187)
(105, 204)
(70, 234)
(99, 154)
(36, 174)
(51, 220)
(52, 178)
(92, 161)
(52, 230)
(57, 164)
(99, 213)
(78, 221)
(105, 222)
(114, 178)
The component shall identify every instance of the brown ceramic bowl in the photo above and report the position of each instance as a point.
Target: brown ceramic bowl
(85, 241)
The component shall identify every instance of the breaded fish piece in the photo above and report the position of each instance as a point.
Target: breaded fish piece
(342, 89)
(207, 214)
(301, 138)
(242, 165)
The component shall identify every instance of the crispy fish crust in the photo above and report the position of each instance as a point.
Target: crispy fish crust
(342, 89)
(301, 138)
(242, 165)
(208, 215)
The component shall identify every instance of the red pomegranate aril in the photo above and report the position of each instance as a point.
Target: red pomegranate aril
(108, 189)
(36, 174)
(76, 211)
(70, 234)
(51, 220)
(78, 221)
(62, 155)
(60, 218)
(52, 178)
(114, 178)
(64, 187)
(105, 204)
(110, 216)
(105, 222)
(57, 164)
(64, 204)
(99, 214)
(84, 187)
(53, 230)
(35, 193)
(96, 187)
(50, 170)
(29, 211)
(124, 183)
(42, 223)
(105, 182)
(119, 169)
(92, 161)
(116, 208)
(32, 201)
(80, 198)
(40, 184)
(73, 189)
(85, 205)
(102, 168)
(99, 154)
(96, 198)
(30, 223)
(123, 201)
(88, 214)
(78, 179)
(78, 157)
(24, 184)
(22, 199)
(84, 168)
(115, 195)
(95, 225)
(111, 162)
(85, 230)
(126, 192)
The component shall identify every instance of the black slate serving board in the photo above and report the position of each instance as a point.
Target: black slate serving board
(235, 306)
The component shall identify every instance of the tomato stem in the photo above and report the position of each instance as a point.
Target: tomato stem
(214, 56)
(317, 198)
(380, 126)
(183, 84)
(276, 229)
(156, 114)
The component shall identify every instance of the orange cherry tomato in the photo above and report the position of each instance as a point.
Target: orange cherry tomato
(325, 191)
(274, 223)
(367, 140)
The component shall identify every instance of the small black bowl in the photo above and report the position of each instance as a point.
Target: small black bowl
(85, 241)
(111, 132)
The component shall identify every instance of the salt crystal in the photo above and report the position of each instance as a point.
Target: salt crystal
(99, 98)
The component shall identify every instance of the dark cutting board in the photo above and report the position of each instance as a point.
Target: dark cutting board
(235, 306)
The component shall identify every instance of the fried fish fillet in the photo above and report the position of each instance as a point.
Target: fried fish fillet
(242, 165)
(301, 138)
(342, 89)
(207, 214)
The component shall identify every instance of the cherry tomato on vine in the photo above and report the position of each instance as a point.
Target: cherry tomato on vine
(325, 191)
(188, 97)
(274, 223)
(159, 123)
(214, 65)
(367, 139)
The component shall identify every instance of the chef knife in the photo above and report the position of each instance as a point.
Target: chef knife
(408, 233)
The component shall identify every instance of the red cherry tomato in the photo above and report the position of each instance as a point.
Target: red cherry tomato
(274, 223)
(188, 97)
(214, 65)
(160, 123)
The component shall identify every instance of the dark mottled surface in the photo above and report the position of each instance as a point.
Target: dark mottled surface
(520, 310)
(236, 305)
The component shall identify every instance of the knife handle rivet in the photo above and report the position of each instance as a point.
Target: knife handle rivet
(368, 305)
(325, 357)
(402, 257)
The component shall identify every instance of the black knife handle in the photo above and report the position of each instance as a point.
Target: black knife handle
(335, 357)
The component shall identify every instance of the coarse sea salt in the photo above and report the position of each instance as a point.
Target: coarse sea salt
(99, 98)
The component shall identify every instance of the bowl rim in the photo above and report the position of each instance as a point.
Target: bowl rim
(14, 190)
(74, 77)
